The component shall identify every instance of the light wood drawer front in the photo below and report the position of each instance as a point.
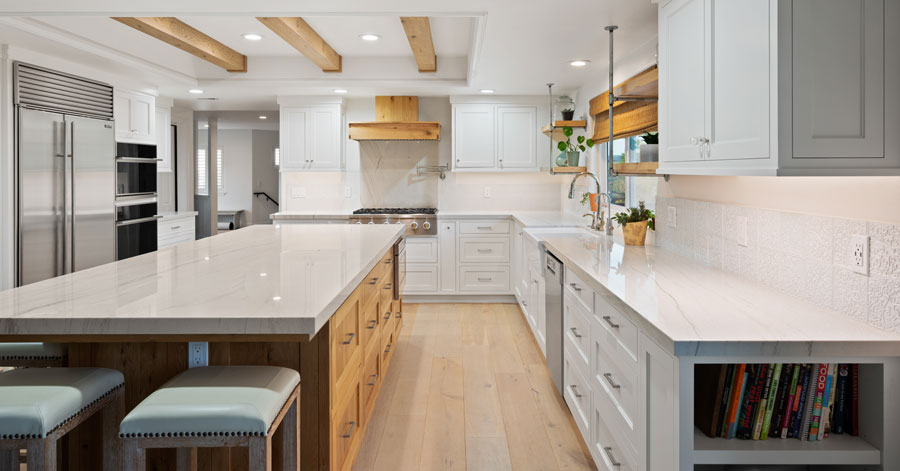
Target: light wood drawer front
(421, 278)
(346, 426)
(476, 278)
(345, 339)
(371, 323)
(386, 294)
(483, 250)
(421, 250)
(577, 334)
(371, 378)
(577, 394)
(622, 329)
(484, 227)
(577, 287)
(386, 316)
(615, 378)
(369, 286)
(610, 450)
(387, 351)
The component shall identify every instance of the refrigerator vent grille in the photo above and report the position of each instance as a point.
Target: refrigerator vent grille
(45, 89)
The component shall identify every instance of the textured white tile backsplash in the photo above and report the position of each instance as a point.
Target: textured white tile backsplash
(803, 255)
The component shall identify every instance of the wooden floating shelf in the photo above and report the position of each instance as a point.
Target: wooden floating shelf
(557, 128)
(569, 169)
(636, 168)
(834, 450)
(396, 131)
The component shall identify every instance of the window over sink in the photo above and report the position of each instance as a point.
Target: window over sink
(629, 191)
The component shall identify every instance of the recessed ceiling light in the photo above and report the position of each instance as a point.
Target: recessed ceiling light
(263, 274)
(369, 37)
(263, 117)
(276, 298)
(487, 91)
(340, 90)
(195, 91)
(252, 37)
(579, 63)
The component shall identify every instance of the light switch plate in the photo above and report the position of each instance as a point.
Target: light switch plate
(487, 192)
(298, 191)
(671, 216)
(347, 192)
(859, 252)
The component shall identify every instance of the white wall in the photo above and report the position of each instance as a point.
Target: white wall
(237, 172)
(265, 175)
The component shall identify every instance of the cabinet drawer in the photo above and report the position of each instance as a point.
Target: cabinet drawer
(421, 278)
(577, 395)
(346, 426)
(615, 378)
(621, 329)
(387, 349)
(386, 317)
(421, 250)
(484, 227)
(610, 450)
(483, 250)
(577, 287)
(371, 379)
(484, 278)
(370, 324)
(345, 340)
(577, 334)
(386, 266)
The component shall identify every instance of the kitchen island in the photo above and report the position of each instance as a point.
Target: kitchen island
(318, 299)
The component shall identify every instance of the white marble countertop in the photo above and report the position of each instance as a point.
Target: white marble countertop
(525, 217)
(169, 215)
(312, 214)
(260, 280)
(694, 310)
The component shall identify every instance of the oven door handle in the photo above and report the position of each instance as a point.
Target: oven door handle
(137, 160)
(137, 221)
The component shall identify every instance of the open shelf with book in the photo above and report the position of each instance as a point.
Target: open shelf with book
(836, 450)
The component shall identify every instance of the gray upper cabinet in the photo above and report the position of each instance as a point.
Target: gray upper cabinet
(791, 87)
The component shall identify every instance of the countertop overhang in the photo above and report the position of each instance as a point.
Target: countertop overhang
(263, 281)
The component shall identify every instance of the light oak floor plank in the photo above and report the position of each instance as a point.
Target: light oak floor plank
(468, 389)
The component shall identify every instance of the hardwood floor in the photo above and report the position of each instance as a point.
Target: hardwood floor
(468, 389)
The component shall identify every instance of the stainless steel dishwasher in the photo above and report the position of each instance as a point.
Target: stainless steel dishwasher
(553, 294)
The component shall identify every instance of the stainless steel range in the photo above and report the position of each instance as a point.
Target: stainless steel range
(418, 221)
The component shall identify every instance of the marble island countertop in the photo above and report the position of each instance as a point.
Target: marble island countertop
(261, 280)
(694, 310)
(527, 218)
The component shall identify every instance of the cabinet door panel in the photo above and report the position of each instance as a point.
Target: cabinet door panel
(739, 95)
(143, 117)
(838, 78)
(516, 137)
(293, 136)
(473, 136)
(682, 86)
(325, 138)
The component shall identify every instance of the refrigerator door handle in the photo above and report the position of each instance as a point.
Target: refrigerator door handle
(70, 208)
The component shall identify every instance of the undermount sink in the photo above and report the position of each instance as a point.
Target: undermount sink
(541, 233)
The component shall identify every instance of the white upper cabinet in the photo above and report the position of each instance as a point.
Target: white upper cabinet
(516, 137)
(492, 137)
(311, 137)
(474, 136)
(135, 115)
(163, 139)
(793, 87)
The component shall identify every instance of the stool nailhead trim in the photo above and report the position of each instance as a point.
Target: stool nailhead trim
(64, 422)
(32, 357)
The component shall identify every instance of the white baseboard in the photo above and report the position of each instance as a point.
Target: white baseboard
(459, 298)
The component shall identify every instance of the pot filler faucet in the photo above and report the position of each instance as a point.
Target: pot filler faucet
(597, 222)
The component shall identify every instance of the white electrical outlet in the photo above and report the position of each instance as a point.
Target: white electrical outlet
(741, 228)
(487, 192)
(859, 250)
(347, 192)
(198, 354)
(671, 216)
(298, 191)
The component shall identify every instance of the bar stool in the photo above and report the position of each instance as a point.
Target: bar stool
(32, 354)
(40, 405)
(217, 406)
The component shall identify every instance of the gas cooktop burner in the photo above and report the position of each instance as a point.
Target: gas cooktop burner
(395, 211)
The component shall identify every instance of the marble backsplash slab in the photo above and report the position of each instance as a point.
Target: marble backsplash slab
(803, 255)
(388, 174)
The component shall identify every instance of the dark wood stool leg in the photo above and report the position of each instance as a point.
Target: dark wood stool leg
(9, 460)
(135, 458)
(261, 453)
(289, 436)
(186, 459)
(112, 415)
(41, 454)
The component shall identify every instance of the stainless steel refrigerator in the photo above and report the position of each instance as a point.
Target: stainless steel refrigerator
(65, 173)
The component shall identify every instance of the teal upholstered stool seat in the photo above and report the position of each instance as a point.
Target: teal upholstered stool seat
(216, 406)
(40, 405)
(31, 354)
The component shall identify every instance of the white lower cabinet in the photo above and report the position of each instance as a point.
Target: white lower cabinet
(173, 230)
(490, 278)
(421, 278)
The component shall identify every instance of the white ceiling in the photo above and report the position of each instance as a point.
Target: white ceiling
(512, 46)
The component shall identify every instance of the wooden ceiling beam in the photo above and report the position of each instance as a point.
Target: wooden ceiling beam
(185, 37)
(303, 38)
(418, 32)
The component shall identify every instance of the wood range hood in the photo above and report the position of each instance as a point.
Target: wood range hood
(396, 119)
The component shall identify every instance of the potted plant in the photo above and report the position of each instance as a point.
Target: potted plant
(589, 197)
(634, 223)
(567, 114)
(650, 148)
(573, 150)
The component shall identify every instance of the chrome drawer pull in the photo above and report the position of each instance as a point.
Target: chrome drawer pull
(608, 378)
(350, 338)
(387, 315)
(575, 286)
(388, 286)
(609, 321)
(485, 250)
(525, 303)
(372, 324)
(575, 332)
(485, 228)
(575, 391)
(388, 261)
(374, 280)
(176, 227)
(399, 315)
(374, 378)
(485, 279)
(387, 349)
(350, 430)
(612, 459)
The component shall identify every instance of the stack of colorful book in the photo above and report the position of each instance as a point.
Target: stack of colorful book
(776, 400)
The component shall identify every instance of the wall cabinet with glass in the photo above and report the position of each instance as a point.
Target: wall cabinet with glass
(795, 87)
(311, 137)
(495, 137)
